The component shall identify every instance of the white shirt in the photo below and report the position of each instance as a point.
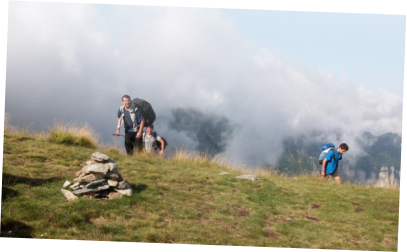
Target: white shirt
(150, 143)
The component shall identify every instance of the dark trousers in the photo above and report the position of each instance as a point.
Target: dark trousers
(131, 142)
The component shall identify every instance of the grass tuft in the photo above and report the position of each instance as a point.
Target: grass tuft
(70, 134)
(7, 126)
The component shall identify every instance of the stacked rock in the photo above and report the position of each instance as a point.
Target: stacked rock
(99, 179)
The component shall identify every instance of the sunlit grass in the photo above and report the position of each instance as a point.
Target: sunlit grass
(183, 199)
(73, 135)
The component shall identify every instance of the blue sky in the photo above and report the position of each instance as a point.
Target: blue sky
(363, 49)
(366, 49)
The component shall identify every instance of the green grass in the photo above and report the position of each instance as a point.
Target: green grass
(185, 201)
(73, 135)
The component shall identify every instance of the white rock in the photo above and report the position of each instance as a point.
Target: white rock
(91, 162)
(248, 176)
(114, 195)
(79, 174)
(113, 175)
(67, 183)
(75, 186)
(112, 183)
(68, 195)
(112, 166)
(96, 183)
(100, 157)
(88, 190)
(123, 185)
(127, 192)
(89, 178)
(96, 168)
(83, 190)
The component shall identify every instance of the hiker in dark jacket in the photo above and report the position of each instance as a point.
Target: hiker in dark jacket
(150, 139)
(133, 121)
(331, 162)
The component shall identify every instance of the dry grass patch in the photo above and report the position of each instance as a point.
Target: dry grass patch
(315, 206)
(192, 157)
(312, 218)
(23, 134)
(70, 134)
(266, 173)
(242, 211)
(389, 242)
(269, 233)
(358, 210)
(285, 218)
(6, 122)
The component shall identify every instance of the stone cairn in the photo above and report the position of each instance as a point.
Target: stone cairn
(99, 179)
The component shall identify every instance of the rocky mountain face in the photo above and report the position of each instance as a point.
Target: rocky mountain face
(210, 131)
(378, 165)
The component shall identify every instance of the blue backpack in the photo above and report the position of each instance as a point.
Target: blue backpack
(326, 148)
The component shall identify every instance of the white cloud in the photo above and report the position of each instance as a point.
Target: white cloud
(83, 58)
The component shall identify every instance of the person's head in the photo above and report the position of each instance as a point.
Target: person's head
(126, 101)
(149, 129)
(343, 148)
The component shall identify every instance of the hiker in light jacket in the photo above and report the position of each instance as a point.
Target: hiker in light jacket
(331, 162)
(150, 139)
(133, 121)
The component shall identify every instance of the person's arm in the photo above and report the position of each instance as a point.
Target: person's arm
(118, 126)
(324, 162)
(140, 118)
(119, 118)
(140, 130)
(162, 147)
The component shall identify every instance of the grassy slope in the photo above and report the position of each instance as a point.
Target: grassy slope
(186, 201)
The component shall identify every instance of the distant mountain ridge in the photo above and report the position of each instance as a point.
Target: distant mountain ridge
(209, 130)
(378, 165)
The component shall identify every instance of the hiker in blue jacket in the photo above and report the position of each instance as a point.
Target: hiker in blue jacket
(133, 121)
(331, 161)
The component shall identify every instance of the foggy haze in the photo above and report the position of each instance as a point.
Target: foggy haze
(73, 63)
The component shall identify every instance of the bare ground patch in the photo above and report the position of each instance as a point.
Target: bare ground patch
(312, 218)
(97, 220)
(358, 210)
(268, 232)
(315, 206)
(243, 212)
(388, 242)
(281, 218)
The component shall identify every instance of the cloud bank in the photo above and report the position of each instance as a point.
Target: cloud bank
(73, 62)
